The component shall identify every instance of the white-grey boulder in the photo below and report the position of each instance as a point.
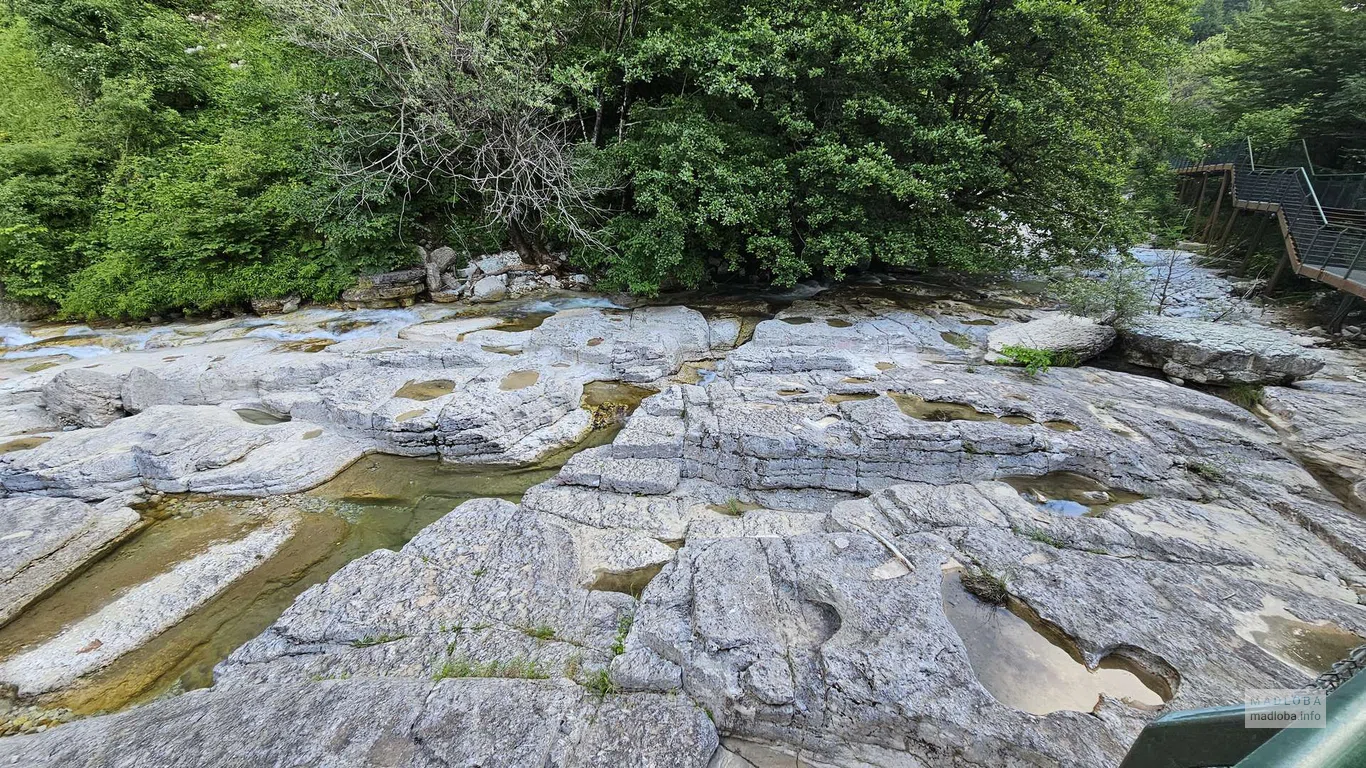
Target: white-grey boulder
(43, 541)
(1081, 337)
(1217, 353)
(84, 398)
(491, 288)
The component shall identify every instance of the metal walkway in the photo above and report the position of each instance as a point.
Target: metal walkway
(1323, 243)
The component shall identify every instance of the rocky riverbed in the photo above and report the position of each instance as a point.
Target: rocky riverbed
(819, 529)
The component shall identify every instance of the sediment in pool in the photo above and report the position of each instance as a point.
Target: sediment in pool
(1070, 494)
(943, 410)
(1029, 666)
(380, 501)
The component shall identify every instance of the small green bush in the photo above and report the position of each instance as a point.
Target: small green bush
(1037, 361)
(1248, 396)
(1119, 296)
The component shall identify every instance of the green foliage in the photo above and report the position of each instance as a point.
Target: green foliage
(1044, 537)
(1248, 396)
(160, 162)
(156, 158)
(623, 629)
(1118, 295)
(786, 140)
(1299, 63)
(986, 586)
(1212, 17)
(600, 683)
(541, 632)
(1038, 361)
(1283, 70)
(518, 668)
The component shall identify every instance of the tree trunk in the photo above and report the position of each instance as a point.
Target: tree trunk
(526, 239)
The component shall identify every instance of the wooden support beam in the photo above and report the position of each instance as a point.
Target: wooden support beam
(1228, 230)
(1218, 202)
(1276, 276)
(1340, 314)
(1199, 204)
(1256, 242)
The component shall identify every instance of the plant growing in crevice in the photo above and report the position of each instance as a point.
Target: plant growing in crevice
(1205, 469)
(987, 587)
(623, 629)
(1248, 396)
(1038, 361)
(541, 632)
(1044, 537)
(600, 683)
(519, 668)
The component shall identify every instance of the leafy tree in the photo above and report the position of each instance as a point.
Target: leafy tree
(1301, 64)
(176, 171)
(47, 174)
(455, 97)
(786, 139)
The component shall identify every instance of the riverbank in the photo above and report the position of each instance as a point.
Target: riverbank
(782, 552)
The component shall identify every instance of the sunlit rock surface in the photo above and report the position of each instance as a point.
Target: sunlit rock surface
(836, 534)
(44, 541)
(1214, 353)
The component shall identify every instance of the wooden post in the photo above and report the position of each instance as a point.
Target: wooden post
(1276, 276)
(1228, 230)
(1340, 314)
(1256, 241)
(1199, 205)
(1218, 202)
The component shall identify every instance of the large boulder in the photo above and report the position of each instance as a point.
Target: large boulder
(1217, 353)
(1322, 423)
(389, 289)
(435, 263)
(84, 398)
(275, 305)
(181, 449)
(491, 288)
(1061, 335)
(498, 262)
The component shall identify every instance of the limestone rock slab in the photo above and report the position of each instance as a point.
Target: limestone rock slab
(396, 723)
(1217, 353)
(1060, 334)
(45, 540)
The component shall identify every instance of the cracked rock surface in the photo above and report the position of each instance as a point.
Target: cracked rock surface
(388, 722)
(769, 565)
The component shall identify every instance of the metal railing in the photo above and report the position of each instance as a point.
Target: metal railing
(1218, 737)
(1325, 243)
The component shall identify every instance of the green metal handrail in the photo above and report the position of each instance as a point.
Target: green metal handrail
(1217, 737)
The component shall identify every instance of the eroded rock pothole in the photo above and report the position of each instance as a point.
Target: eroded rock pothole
(260, 417)
(943, 410)
(1027, 665)
(426, 390)
(1070, 494)
(1310, 647)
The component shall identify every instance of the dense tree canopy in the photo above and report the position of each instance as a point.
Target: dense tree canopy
(799, 137)
(1287, 69)
(157, 156)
